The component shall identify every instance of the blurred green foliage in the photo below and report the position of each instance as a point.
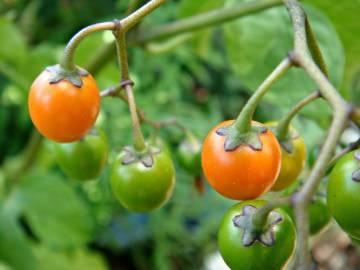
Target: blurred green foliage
(50, 222)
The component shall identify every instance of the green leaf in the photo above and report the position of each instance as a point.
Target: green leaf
(4, 266)
(56, 214)
(14, 247)
(345, 18)
(13, 47)
(256, 45)
(76, 260)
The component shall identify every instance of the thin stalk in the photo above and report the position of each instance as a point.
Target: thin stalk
(190, 24)
(352, 146)
(67, 60)
(282, 129)
(169, 44)
(207, 19)
(139, 142)
(243, 122)
(260, 217)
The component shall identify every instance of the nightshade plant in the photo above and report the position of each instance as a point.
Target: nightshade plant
(242, 159)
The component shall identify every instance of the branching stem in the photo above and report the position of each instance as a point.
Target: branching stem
(127, 23)
(342, 111)
(139, 142)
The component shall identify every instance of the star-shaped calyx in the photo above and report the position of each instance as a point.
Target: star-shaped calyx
(58, 73)
(288, 143)
(356, 174)
(233, 138)
(146, 157)
(250, 235)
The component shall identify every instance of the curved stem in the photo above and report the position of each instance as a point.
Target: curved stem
(352, 146)
(243, 122)
(139, 142)
(67, 61)
(282, 129)
(260, 217)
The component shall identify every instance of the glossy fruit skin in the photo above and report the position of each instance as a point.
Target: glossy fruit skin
(142, 189)
(243, 173)
(257, 256)
(61, 111)
(343, 195)
(319, 215)
(189, 154)
(291, 163)
(84, 159)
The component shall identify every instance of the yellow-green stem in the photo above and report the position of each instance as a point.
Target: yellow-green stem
(139, 142)
(260, 217)
(243, 122)
(282, 129)
(67, 61)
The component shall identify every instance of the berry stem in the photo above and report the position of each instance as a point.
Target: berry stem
(139, 142)
(243, 122)
(282, 129)
(259, 219)
(67, 61)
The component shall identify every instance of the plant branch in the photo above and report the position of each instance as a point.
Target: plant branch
(169, 44)
(196, 22)
(139, 142)
(206, 19)
(128, 22)
(301, 200)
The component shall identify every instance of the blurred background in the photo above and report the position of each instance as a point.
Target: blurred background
(50, 222)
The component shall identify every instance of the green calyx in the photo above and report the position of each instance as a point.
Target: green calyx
(251, 233)
(234, 138)
(58, 73)
(356, 174)
(287, 141)
(145, 157)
